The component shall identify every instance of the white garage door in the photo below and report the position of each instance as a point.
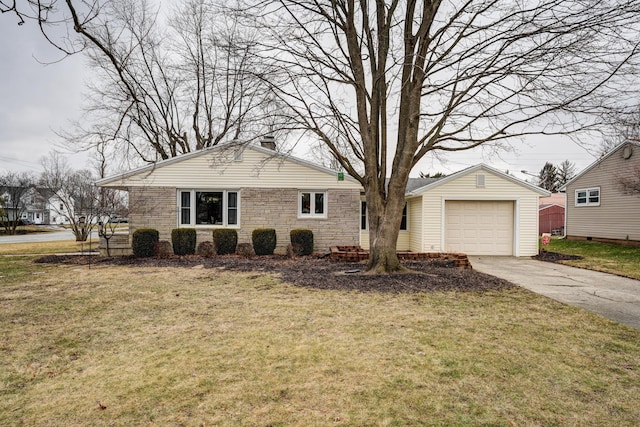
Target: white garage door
(479, 227)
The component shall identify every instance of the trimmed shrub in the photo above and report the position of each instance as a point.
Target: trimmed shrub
(206, 249)
(264, 241)
(184, 241)
(163, 249)
(143, 242)
(225, 240)
(302, 238)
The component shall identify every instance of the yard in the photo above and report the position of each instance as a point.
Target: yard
(616, 259)
(199, 344)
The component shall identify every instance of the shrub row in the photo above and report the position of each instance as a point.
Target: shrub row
(145, 241)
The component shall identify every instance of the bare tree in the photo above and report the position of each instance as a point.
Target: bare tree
(14, 187)
(75, 193)
(162, 91)
(629, 182)
(391, 81)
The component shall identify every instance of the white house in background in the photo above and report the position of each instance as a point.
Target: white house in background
(479, 210)
(40, 206)
(59, 213)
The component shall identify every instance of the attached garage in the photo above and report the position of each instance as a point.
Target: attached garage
(479, 227)
(477, 211)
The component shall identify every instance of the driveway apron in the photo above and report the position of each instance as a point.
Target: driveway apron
(611, 296)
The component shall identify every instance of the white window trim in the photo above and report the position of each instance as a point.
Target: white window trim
(587, 203)
(192, 210)
(312, 214)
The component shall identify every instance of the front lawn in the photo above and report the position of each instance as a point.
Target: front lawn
(42, 248)
(616, 259)
(28, 229)
(109, 345)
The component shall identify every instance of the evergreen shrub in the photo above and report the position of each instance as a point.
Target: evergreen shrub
(264, 241)
(144, 241)
(184, 241)
(225, 240)
(302, 238)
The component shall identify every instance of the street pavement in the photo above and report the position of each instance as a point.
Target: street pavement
(614, 297)
(50, 236)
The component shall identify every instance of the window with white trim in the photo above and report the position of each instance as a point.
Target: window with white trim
(312, 204)
(211, 207)
(364, 224)
(588, 197)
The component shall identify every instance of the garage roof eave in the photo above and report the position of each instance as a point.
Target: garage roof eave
(472, 169)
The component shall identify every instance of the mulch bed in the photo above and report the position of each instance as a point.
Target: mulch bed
(555, 257)
(312, 272)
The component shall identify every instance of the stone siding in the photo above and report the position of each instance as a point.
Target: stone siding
(278, 208)
(153, 207)
(156, 207)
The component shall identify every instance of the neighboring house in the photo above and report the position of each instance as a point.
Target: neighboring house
(598, 208)
(58, 211)
(35, 206)
(551, 211)
(477, 211)
(39, 206)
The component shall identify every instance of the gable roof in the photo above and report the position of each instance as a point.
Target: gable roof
(416, 183)
(220, 147)
(599, 161)
(472, 169)
(549, 205)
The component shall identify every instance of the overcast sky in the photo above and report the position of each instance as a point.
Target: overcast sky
(37, 100)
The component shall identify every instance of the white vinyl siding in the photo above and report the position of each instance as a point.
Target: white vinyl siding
(255, 170)
(496, 188)
(414, 211)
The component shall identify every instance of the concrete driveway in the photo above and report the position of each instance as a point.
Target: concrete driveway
(614, 297)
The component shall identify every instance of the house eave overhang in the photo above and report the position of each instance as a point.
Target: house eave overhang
(597, 162)
(476, 168)
(150, 168)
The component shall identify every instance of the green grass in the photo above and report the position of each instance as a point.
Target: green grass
(616, 259)
(123, 346)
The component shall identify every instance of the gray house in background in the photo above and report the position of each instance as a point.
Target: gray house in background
(598, 206)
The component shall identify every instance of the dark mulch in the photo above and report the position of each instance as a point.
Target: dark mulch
(426, 276)
(555, 257)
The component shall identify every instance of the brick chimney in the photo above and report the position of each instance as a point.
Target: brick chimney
(269, 142)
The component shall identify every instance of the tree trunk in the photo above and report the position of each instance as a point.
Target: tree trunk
(384, 218)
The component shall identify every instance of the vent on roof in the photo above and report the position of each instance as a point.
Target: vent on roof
(269, 142)
(480, 180)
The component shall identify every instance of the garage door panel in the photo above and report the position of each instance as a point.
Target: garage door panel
(479, 227)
